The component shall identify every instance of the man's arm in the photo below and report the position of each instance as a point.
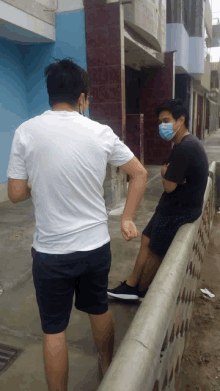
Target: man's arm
(18, 190)
(169, 186)
(137, 185)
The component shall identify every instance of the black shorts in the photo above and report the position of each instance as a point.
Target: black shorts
(58, 277)
(162, 228)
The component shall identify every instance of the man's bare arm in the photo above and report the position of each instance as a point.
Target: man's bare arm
(169, 186)
(18, 190)
(137, 185)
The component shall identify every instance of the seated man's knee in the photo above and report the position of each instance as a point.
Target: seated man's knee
(145, 241)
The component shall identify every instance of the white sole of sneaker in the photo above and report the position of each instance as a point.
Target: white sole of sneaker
(121, 296)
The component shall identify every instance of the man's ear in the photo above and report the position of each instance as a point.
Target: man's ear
(183, 118)
(82, 98)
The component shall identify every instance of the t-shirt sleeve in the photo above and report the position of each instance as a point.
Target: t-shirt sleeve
(120, 154)
(178, 164)
(17, 167)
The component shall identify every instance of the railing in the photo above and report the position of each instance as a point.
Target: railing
(150, 354)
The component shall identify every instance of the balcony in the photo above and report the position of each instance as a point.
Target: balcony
(144, 33)
(26, 22)
(33, 8)
(208, 18)
(148, 20)
(215, 41)
(213, 95)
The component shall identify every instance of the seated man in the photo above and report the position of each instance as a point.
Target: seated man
(184, 179)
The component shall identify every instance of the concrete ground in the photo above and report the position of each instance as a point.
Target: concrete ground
(20, 323)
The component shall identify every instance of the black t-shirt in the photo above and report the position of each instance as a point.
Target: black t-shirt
(187, 163)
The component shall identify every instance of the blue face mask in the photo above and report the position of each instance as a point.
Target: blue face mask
(166, 131)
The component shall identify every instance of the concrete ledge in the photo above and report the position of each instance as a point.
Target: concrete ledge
(4, 192)
(153, 346)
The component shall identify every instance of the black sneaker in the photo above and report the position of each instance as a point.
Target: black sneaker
(124, 292)
(142, 294)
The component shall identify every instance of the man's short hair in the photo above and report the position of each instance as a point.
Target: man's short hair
(176, 108)
(66, 81)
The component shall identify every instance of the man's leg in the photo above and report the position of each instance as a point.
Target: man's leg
(141, 260)
(150, 269)
(56, 361)
(103, 332)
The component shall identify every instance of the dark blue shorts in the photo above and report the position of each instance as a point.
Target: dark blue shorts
(58, 277)
(162, 228)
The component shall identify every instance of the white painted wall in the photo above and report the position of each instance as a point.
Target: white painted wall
(69, 5)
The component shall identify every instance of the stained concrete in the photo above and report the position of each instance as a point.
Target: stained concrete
(20, 323)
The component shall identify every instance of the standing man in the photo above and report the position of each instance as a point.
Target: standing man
(184, 180)
(64, 155)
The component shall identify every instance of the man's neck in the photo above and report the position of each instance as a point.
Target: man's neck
(179, 136)
(63, 107)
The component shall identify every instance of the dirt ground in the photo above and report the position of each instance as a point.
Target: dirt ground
(200, 367)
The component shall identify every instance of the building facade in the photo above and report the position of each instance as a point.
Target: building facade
(213, 98)
(115, 42)
(189, 29)
(31, 37)
(137, 52)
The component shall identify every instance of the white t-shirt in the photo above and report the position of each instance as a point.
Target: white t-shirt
(65, 155)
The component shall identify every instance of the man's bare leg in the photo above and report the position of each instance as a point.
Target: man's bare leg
(136, 275)
(103, 332)
(150, 269)
(56, 361)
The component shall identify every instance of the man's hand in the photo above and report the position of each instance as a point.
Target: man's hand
(129, 230)
(164, 169)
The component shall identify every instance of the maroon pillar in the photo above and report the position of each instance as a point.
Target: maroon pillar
(134, 134)
(157, 86)
(105, 53)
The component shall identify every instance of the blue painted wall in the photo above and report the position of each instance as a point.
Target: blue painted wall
(23, 92)
(13, 99)
(70, 42)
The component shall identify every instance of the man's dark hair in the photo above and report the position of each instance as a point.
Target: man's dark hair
(176, 108)
(66, 81)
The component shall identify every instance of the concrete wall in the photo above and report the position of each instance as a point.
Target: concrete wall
(208, 17)
(214, 117)
(206, 78)
(48, 3)
(19, 25)
(149, 20)
(31, 7)
(70, 5)
(23, 89)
